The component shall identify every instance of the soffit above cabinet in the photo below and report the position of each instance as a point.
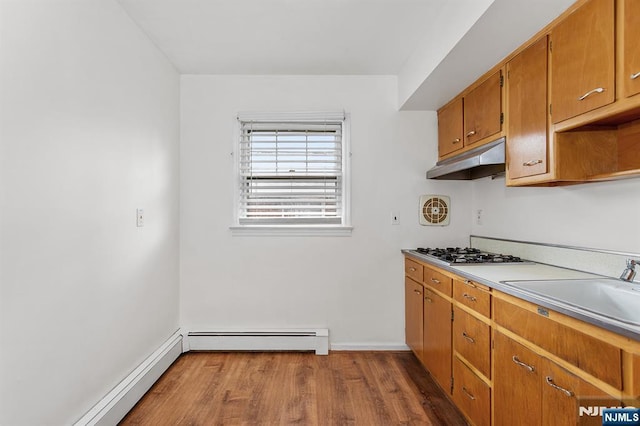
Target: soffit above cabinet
(505, 26)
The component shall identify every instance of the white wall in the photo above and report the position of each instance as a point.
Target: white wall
(89, 132)
(598, 215)
(352, 285)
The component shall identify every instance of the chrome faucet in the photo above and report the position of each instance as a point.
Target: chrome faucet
(629, 273)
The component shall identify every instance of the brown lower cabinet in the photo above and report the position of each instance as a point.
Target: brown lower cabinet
(413, 300)
(471, 395)
(528, 387)
(436, 352)
(506, 361)
(472, 340)
(516, 384)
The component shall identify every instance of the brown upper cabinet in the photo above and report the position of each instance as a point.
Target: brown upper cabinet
(582, 60)
(474, 117)
(450, 128)
(483, 110)
(527, 111)
(571, 102)
(631, 47)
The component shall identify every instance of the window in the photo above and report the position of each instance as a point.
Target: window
(292, 172)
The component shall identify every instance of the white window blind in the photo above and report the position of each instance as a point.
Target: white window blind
(291, 170)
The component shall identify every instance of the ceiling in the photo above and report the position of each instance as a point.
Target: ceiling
(341, 37)
(435, 47)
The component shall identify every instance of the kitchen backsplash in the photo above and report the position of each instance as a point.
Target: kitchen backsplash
(604, 262)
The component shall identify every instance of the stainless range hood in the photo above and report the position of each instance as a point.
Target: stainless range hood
(485, 160)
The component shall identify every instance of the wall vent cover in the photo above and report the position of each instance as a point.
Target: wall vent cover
(435, 210)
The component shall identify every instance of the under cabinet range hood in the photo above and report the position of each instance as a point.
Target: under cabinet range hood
(483, 161)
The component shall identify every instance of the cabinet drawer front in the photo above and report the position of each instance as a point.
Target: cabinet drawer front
(594, 356)
(473, 295)
(472, 339)
(438, 281)
(471, 394)
(413, 269)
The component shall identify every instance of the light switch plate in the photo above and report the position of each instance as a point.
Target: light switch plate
(139, 218)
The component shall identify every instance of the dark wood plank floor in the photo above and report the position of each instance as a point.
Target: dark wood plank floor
(272, 388)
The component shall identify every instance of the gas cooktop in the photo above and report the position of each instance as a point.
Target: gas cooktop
(469, 256)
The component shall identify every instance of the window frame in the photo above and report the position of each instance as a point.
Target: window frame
(293, 229)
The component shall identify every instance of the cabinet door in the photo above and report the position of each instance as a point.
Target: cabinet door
(516, 383)
(450, 128)
(582, 60)
(483, 110)
(631, 10)
(437, 338)
(563, 394)
(527, 112)
(413, 294)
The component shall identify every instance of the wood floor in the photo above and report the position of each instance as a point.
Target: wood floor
(344, 388)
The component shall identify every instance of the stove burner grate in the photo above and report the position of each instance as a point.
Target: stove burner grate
(468, 255)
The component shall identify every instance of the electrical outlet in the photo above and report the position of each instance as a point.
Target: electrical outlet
(139, 218)
(479, 217)
(395, 218)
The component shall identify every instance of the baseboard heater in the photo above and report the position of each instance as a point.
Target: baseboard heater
(259, 340)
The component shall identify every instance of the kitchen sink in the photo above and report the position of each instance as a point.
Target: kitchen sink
(609, 297)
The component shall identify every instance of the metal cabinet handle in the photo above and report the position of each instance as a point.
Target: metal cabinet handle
(634, 76)
(471, 133)
(470, 284)
(417, 291)
(469, 395)
(468, 296)
(456, 140)
(522, 364)
(531, 163)
(433, 280)
(412, 269)
(591, 92)
(469, 338)
(428, 299)
(549, 381)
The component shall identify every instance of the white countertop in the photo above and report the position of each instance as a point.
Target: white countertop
(498, 273)
(494, 276)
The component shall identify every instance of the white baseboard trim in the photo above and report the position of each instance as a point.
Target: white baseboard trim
(316, 339)
(117, 403)
(368, 347)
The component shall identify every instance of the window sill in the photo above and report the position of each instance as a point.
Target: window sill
(291, 231)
